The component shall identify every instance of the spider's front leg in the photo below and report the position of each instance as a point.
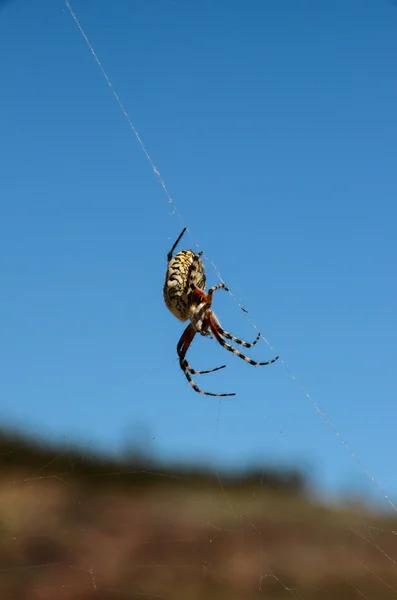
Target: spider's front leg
(217, 330)
(207, 296)
(229, 336)
(171, 252)
(182, 348)
(220, 286)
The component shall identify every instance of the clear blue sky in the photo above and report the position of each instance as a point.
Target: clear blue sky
(274, 126)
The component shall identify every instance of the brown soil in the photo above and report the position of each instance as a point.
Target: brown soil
(77, 530)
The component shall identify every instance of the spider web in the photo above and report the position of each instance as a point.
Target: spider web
(76, 524)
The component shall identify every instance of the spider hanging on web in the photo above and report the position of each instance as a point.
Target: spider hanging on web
(185, 296)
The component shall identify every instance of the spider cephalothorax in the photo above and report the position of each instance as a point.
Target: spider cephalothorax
(185, 297)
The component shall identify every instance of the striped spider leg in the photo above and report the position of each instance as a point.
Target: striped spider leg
(218, 332)
(182, 348)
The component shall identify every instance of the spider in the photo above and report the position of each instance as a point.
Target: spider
(185, 297)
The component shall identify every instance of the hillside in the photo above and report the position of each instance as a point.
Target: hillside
(78, 527)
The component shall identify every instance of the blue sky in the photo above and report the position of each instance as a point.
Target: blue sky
(274, 126)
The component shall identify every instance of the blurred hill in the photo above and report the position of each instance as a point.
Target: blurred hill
(74, 526)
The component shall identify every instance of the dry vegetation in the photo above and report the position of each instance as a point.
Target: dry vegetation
(73, 528)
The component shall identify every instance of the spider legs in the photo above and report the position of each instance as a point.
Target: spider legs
(182, 348)
(218, 331)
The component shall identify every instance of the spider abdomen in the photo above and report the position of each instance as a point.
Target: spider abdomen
(184, 269)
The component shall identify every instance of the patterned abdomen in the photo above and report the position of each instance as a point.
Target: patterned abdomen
(183, 269)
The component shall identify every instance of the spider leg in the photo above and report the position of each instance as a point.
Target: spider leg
(216, 330)
(194, 372)
(229, 336)
(200, 294)
(220, 286)
(182, 348)
(171, 252)
(207, 296)
(224, 333)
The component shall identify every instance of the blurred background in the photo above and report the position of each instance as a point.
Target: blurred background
(273, 125)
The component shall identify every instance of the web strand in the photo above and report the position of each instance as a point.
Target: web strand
(217, 272)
